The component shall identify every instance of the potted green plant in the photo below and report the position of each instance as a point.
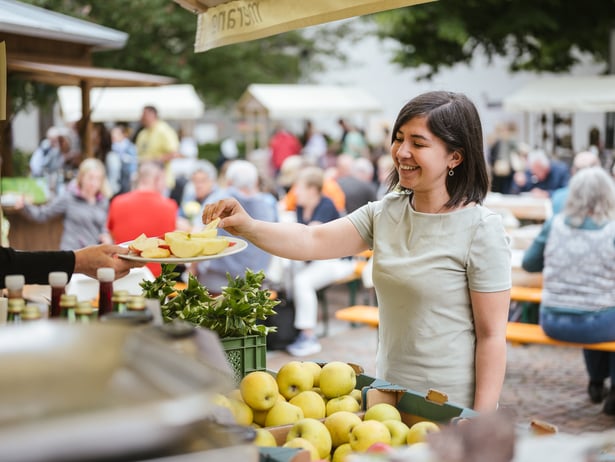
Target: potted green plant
(234, 314)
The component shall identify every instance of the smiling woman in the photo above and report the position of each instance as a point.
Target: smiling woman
(452, 339)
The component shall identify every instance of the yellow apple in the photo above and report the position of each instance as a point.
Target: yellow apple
(241, 411)
(342, 403)
(340, 425)
(399, 432)
(264, 438)
(235, 394)
(341, 453)
(186, 248)
(337, 379)
(293, 378)
(311, 403)
(302, 443)
(357, 394)
(368, 432)
(259, 390)
(315, 432)
(281, 397)
(315, 368)
(418, 432)
(382, 412)
(222, 401)
(259, 417)
(283, 413)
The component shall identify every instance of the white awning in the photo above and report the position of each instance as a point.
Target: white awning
(223, 22)
(173, 102)
(565, 94)
(292, 101)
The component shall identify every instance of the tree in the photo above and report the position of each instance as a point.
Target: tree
(547, 35)
(161, 41)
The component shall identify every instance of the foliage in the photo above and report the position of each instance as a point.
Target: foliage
(234, 313)
(161, 39)
(549, 35)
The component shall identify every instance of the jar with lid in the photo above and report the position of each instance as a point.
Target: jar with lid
(14, 285)
(57, 281)
(31, 312)
(68, 303)
(15, 308)
(105, 278)
(120, 301)
(136, 303)
(84, 312)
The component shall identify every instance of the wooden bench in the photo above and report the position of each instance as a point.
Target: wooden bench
(522, 333)
(359, 314)
(526, 294)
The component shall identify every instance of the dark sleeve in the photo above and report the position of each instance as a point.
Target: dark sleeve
(534, 256)
(35, 266)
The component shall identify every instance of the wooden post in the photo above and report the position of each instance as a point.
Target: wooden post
(85, 124)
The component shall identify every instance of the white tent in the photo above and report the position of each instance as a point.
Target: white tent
(565, 94)
(173, 102)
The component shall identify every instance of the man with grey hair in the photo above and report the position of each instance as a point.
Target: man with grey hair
(542, 176)
(242, 184)
(202, 183)
(583, 159)
(355, 178)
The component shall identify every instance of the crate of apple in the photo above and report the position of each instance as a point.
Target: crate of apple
(316, 408)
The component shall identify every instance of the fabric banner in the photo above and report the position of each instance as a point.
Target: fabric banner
(244, 20)
(2, 80)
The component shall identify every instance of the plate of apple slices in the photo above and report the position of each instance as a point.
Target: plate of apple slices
(183, 247)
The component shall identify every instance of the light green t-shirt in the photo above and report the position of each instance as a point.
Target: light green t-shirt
(424, 267)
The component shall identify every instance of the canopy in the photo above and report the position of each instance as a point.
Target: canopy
(285, 101)
(223, 22)
(565, 94)
(173, 102)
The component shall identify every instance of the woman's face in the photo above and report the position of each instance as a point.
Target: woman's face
(91, 182)
(421, 159)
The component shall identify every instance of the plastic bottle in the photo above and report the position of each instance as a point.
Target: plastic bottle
(57, 281)
(105, 278)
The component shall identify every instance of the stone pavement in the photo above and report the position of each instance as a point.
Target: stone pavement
(542, 382)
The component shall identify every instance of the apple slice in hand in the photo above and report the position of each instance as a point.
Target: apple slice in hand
(213, 224)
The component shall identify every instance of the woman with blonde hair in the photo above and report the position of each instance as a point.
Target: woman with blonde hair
(83, 204)
(576, 252)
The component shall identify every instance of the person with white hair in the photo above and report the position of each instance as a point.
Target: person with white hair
(356, 181)
(542, 176)
(575, 252)
(583, 159)
(242, 184)
(202, 183)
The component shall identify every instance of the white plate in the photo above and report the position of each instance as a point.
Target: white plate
(238, 246)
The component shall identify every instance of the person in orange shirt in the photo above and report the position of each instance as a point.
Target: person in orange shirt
(288, 173)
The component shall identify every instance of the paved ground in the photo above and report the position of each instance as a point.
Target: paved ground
(542, 382)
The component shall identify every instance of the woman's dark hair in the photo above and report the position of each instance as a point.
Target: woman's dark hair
(453, 118)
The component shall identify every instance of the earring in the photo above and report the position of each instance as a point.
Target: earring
(451, 172)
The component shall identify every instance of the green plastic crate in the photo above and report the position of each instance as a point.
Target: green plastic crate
(245, 354)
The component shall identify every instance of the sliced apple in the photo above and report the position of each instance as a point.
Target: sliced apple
(204, 233)
(156, 252)
(187, 248)
(141, 244)
(213, 246)
(172, 235)
(213, 224)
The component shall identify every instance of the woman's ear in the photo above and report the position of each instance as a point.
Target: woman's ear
(456, 159)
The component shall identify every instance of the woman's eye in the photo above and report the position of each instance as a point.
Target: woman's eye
(398, 140)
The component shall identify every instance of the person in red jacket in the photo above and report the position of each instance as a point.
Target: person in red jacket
(282, 144)
(144, 210)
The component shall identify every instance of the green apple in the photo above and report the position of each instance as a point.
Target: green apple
(283, 413)
(368, 432)
(337, 379)
(315, 368)
(293, 378)
(340, 425)
(241, 411)
(342, 403)
(382, 412)
(264, 438)
(399, 432)
(315, 432)
(341, 453)
(311, 403)
(302, 443)
(418, 432)
(259, 390)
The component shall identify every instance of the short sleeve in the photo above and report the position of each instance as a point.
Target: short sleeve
(363, 221)
(489, 259)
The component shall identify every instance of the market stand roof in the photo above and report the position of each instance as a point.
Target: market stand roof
(565, 94)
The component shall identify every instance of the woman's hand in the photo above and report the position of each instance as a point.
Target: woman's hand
(233, 218)
(89, 259)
